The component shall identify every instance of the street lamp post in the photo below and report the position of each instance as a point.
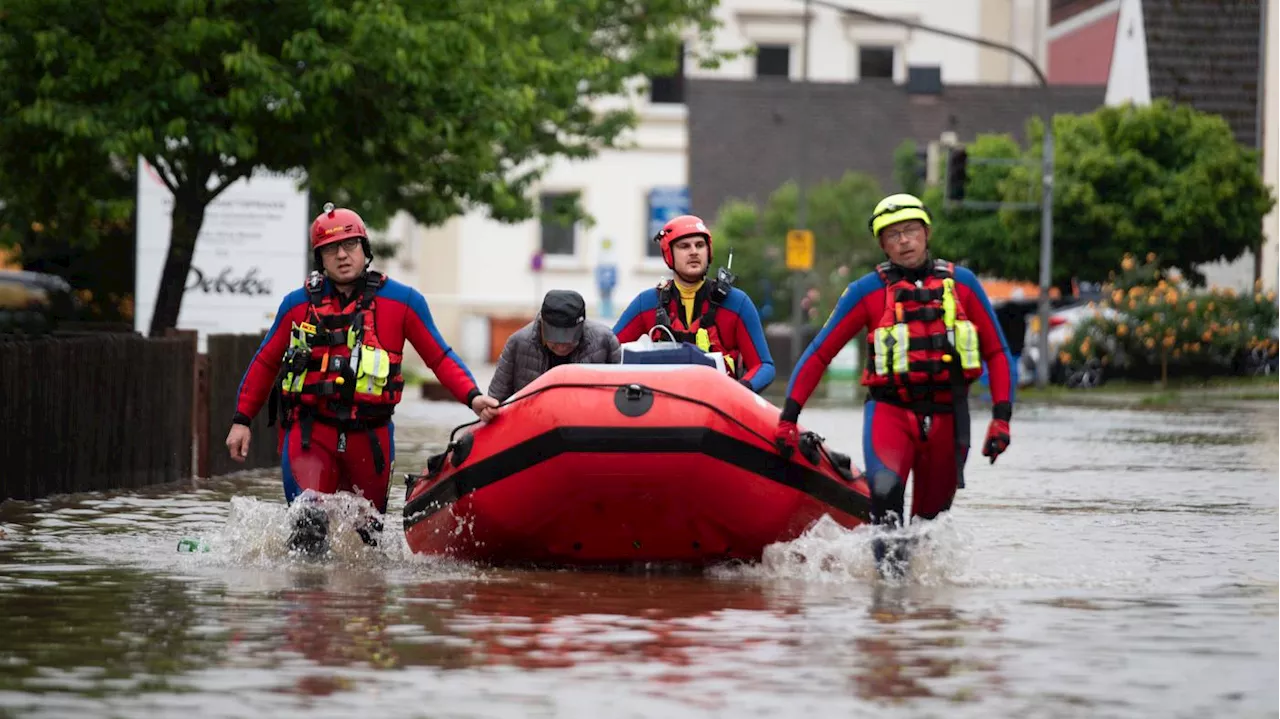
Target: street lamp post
(1046, 195)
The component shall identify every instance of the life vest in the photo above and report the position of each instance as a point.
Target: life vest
(335, 365)
(923, 337)
(702, 332)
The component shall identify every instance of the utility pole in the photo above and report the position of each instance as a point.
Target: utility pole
(802, 205)
(1046, 195)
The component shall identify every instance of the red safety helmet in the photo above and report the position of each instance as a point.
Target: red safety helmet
(335, 225)
(679, 228)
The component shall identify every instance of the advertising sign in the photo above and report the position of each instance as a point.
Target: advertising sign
(251, 251)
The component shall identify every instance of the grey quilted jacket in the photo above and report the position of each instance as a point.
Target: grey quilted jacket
(525, 359)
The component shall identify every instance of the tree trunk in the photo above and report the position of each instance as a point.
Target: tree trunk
(188, 216)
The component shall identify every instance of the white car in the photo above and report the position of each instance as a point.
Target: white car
(1062, 324)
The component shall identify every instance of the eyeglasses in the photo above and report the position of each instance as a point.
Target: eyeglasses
(914, 232)
(348, 246)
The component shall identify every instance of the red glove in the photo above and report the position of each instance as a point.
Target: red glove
(787, 438)
(997, 439)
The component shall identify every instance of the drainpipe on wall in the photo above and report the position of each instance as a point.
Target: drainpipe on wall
(1259, 132)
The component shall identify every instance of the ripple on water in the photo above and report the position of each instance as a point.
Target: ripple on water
(1106, 558)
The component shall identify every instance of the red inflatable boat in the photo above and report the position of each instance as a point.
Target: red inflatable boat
(605, 465)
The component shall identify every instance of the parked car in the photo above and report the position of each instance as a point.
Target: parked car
(33, 303)
(1063, 322)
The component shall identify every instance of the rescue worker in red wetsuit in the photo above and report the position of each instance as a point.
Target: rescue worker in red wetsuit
(332, 357)
(712, 314)
(930, 327)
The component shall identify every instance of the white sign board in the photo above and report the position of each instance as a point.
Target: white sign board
(250, 253)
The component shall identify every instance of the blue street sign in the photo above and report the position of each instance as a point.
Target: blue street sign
(666, 203)
(606, 278)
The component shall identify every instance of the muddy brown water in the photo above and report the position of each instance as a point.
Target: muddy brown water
(1115, 563)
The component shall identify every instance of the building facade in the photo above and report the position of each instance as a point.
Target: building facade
(483, 278)
(1215, 55)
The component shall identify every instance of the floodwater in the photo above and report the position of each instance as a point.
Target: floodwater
(1115, 563)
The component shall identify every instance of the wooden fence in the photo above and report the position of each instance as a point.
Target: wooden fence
(92, 413)
(225, 363)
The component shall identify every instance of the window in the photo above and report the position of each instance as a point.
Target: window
(773, 61)
(669, 89)
(875, 62)
(662, 204)
(558, 227)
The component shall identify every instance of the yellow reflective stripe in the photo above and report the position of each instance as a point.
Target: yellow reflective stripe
(967, 345)
(292, 383)
(373, 369)
(891, 345)
(902, 342)
(363, 381)
(882, 350)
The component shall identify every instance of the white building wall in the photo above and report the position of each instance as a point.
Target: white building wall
(1130, 81)
(835, 37)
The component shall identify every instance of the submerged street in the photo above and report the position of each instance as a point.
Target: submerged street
(1114, 563)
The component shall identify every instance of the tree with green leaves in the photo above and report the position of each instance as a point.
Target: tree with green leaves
(977, 238)
(844, 249)
(428, 107)
(1159, 178)
(908, 171)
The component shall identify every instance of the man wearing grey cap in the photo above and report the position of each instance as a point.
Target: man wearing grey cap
(560, 334)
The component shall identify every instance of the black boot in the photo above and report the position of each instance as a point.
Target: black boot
(892, 556)
(371, 532)
(310, 531)
(888, 493)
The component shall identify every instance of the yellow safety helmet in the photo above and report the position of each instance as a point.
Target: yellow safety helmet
(897, 208)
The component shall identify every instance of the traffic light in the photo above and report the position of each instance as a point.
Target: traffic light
(922, 165)
(957, 173)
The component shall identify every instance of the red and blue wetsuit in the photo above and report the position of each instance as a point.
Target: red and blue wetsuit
(912, 421)
(732, 324)
(315, 451)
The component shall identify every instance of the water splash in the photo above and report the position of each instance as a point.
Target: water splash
(832, 554)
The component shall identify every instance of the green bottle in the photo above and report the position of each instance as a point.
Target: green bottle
(192, 545)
